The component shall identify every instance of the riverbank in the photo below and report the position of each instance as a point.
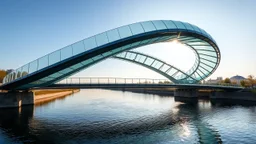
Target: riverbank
(41, 96)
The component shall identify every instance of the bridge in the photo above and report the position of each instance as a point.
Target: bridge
(117, 82)
(53, 70)
(117, 43)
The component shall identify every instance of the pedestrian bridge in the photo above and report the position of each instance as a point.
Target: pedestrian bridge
(112, 82)
(118, 43)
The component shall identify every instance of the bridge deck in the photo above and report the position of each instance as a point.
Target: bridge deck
(125, 85)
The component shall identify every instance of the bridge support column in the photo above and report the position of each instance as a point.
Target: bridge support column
(16, 99)
(185, 95)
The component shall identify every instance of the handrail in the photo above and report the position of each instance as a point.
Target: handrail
(120, 80)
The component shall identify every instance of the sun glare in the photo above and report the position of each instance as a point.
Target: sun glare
(174, 53)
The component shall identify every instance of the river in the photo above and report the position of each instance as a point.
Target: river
(107, 116)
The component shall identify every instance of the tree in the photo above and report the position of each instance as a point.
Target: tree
(242, 83)
(2, 75)
(227, 80)
(251, 80)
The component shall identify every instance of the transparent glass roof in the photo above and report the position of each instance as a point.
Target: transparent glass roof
(133, 36)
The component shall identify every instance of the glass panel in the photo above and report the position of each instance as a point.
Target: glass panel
(127, 54)
(153, 40)
(55, 75)
(179, 25)
(54, 57)
(132, 56)
(165, 68)
(155, 63)
(170, 24)
(43, 62)
(76, 66)
(208, 53)
(24, 70)
(121, 54)
(204, 32)
(136, 28)
(117, 50)
(172, 71)
(206, 66)
(203, 70)
(204, 47)
(106, 54)
(66, 52)
(208, 63)
(90, 43)
(208, 58)
(46, 79)
(86, 62)
(196, 28)
(188, 26)
(18, 72)
(78, 47)
(167, 38)
(124, 31)
(11, 76)
(145, 41)
(159, 25)
(101, 39)
(126, 47)
(65, 71)
(33, 66)
(136, 44)
(97, 57)
(149, 61)
(176, 74)
(198, 44)
(142, 59)
(113, 35)
(158, 65)
(148, 26)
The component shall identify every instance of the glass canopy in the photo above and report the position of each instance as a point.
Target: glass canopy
(122, 39)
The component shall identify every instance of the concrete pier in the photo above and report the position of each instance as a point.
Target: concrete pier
(16, 99)
(185, 95)
(188, 93)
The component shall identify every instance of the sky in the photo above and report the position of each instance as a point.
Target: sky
(30, 29)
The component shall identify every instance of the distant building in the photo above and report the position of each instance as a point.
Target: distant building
(237, 79)
(214, 81)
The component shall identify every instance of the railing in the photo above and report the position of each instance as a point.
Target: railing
(113, 80)
(118, 80)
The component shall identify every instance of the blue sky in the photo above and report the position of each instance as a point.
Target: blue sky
(30, 29)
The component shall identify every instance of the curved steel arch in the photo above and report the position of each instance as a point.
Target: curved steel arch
(71, 59)
(156, 65)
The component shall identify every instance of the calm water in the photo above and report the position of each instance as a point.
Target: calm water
(105, 116)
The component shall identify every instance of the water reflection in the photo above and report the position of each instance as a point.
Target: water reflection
(105, 116)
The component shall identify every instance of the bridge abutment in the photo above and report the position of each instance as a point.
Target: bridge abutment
(16, 99)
